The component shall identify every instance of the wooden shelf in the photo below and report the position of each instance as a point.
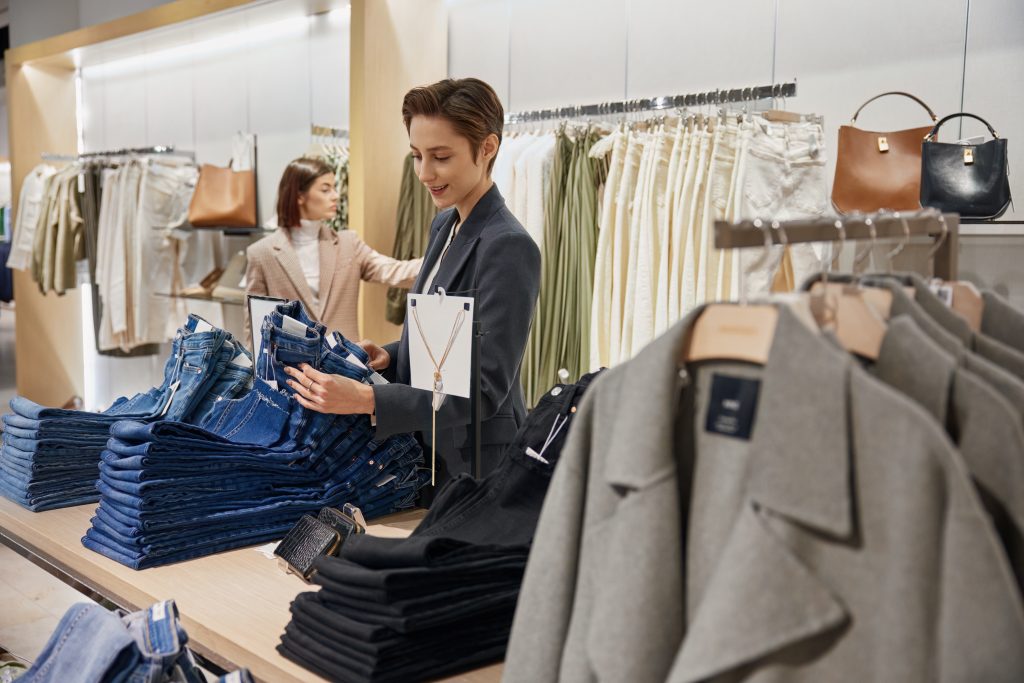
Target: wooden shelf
(234, 605)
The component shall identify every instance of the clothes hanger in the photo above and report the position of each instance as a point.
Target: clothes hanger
(966, 299)
(846, 309)
(740, 332)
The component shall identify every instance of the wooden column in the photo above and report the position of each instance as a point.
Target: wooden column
(396, 45)
(48, 329)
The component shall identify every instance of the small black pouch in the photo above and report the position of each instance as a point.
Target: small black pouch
(309, 539)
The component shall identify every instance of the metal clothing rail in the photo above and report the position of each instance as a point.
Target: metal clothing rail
(328, 132)
(888, 225)
(710, 97)
(127, 151)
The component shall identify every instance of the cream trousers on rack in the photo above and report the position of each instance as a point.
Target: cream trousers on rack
(784, 179)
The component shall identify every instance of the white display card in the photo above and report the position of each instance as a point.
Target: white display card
(259, 308)
(439, 316)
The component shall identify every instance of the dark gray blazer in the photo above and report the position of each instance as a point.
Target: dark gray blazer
(494, 260)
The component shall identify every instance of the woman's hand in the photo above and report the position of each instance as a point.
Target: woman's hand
(379, 358)
(325, 393)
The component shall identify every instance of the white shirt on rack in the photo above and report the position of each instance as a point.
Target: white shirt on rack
(305, 241)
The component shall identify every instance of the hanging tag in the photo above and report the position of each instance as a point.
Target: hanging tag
(170, 399)
(438, 391)
(81, 183)
(536, 456)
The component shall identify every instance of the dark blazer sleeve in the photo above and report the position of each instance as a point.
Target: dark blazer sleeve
(509, 280)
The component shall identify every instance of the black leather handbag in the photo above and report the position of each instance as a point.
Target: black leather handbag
(971, 180)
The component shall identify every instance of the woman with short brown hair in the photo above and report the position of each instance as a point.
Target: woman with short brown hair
(477, 248)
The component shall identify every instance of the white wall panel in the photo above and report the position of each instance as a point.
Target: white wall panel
(329, 43)
(564, 52)
(994, 87)
(683, 47)
(848, 52)
(478, 42)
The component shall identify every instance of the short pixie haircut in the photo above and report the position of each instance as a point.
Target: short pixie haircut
(469, 104)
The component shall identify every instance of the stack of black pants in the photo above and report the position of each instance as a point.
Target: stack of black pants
(442, 600)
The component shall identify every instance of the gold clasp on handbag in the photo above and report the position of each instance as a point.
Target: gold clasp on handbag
(883, 144)
(968, 156)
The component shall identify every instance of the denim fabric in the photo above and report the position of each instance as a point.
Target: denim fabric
(36, 438)
(248, 463)
(94, 644)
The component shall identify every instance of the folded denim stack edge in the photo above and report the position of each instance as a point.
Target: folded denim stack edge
(92, 643)
(50, 456)
(442, 600)
(171, 491)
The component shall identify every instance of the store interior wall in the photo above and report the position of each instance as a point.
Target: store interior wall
(268, 69)
(957, 55)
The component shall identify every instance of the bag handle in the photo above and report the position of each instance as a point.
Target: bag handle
(963, 114)
(895, 92)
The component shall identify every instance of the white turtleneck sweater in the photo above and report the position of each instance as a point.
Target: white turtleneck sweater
(305, 242)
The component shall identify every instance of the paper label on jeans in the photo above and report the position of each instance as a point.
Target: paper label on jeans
(332, 341)
(352, 358)
(158, 611)
(732, 406)
(943, 291)
(203, 326)
(377, 378)
(293, 326)
(241, 361)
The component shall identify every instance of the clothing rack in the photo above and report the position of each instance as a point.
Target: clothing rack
(328, 132)
(710, 97)
(926, 223)
(127, 151)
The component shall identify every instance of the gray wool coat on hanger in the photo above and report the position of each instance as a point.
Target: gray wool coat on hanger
(843, 541)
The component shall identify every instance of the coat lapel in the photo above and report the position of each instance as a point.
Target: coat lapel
(286, 257)
(465, 241)
(761, 596)
(438, 239)
(328, 244)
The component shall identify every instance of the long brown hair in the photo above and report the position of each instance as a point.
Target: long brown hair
(469, 104)
(297, 178)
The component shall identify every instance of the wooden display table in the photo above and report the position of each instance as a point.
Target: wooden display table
(234, 605)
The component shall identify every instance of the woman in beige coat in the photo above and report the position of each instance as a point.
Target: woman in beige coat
(306, 260)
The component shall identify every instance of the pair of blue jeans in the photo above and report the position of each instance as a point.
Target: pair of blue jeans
(94, 644)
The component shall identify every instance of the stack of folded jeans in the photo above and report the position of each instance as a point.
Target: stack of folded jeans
(50, 456)
(94, 645)
(441, 601)
(172, 491)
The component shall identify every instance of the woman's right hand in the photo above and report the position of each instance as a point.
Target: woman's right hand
(379, 358)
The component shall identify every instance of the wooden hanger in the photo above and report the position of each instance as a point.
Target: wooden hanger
(732, 332)
(738, 332)
(844, 309)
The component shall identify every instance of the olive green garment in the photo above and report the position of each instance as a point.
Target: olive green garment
(416, 210)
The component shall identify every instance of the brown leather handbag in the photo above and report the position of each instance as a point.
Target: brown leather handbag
(879, 170)
(223, 199)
